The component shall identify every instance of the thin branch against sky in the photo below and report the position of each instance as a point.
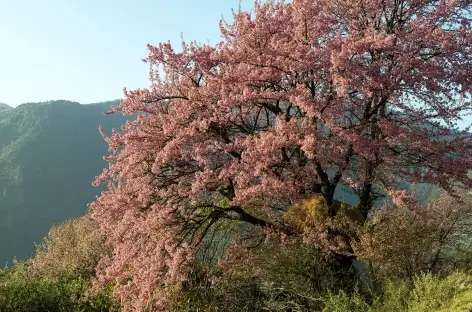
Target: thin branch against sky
(88, 51)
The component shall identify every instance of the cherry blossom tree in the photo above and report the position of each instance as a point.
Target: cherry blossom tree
(296, 100)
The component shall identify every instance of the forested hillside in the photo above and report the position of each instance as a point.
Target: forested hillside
(49, 155)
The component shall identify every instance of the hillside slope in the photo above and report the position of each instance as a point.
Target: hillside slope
(4, 106)
(49, 155)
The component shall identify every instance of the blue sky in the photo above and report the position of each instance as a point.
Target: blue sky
(89, 50)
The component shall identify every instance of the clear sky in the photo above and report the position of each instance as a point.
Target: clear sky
(89, 50)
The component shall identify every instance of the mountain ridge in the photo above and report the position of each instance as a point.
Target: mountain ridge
(4, 106)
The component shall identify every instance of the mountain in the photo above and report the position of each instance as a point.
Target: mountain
(4, 106)
(49, 155)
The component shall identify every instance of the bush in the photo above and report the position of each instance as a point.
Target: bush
(272, 272)
(276, 276)
(461, 256)
(60, 276)
(72, 248)
(18, 293)
(330, 234)
(342, 302)
(401, 242)
(429, 293)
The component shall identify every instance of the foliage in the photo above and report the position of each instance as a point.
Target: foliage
(72, 248)
(451, 293)
(400, 242)
(461, 257)
(292, 283)
(342, 302)
(332, 234)
(280, 274)
(20, 293)
(429, 293)
(298, 98)
(276, 276)
(59, 277)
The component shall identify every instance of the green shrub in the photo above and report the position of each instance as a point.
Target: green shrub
(59, 278)
(402, 242)
(18, 293)
(342, 302)
(274, 277)
(431, 293)
(461, 257)
(72, 248)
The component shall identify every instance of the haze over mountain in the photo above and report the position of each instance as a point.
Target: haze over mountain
(49, 155)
